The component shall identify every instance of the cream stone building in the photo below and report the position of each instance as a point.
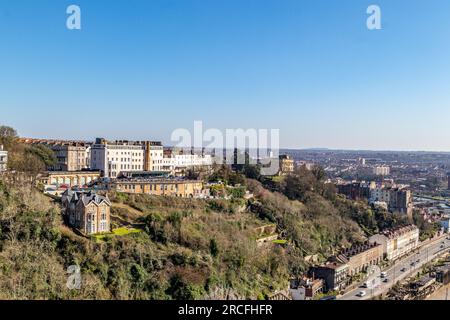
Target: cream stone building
(174, 187)
(70, 155)
(286, 165)
(397, 242)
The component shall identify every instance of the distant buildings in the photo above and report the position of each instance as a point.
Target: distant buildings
(306, 164)
(448, 180)
(3, 159)
(177, 161)
(70, 155)
(112, 158)
(395, 198)
(286, 165)
(356, 190)
(86, 211)
(398, 199)
(397, 242)
(445, 224)
(381, 170)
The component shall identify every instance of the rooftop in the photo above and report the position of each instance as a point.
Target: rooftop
(87, 197)
(357, 249)
(396, 232)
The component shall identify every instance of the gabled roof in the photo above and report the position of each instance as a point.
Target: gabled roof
(85, 197)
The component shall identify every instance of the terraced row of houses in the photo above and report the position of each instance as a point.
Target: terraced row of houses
(390, 244)
(112, 158)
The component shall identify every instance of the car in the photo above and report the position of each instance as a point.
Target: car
(418, 260)
(385, 280)
(365, 285)
(383, 274)
(361, 294)
(403, 269)
(442, 246)
(413, 264)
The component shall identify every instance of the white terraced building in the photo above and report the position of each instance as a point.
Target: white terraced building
(176, 161)
(112, 158)
(3, 159)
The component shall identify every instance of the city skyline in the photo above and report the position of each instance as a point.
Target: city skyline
(312, 70)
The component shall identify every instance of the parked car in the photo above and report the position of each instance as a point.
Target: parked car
(403, 269)
(383, 274)
(385, 280)
(361, 294)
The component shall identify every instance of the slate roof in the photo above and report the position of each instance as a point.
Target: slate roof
(86, 197)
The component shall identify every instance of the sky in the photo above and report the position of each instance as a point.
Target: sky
(311, 68)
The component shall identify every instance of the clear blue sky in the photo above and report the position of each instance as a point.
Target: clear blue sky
(140, 69)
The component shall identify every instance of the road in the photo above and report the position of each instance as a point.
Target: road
(403, 268)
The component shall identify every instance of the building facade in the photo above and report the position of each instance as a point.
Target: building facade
(286, 165)
(176, 162)
(381, 170)
(397, 242)
(70, 155)
(334, 275)
(154, 156)
(359, 257)
(174, 187)
(87, 212)
(3, 159)
(112, 158)
(400, 201)
(356, 190)
(69, 178)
